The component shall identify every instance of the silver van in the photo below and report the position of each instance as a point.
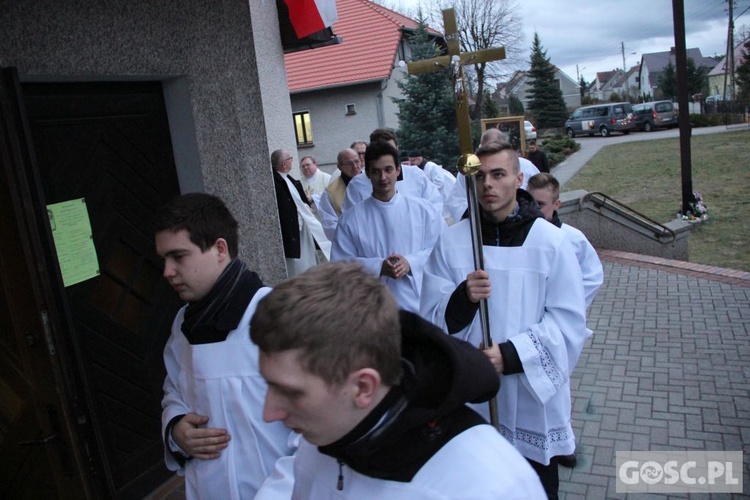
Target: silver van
(651, 115)
(601, 119)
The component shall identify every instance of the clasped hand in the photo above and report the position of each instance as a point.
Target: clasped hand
(199, 442)
(395, 266)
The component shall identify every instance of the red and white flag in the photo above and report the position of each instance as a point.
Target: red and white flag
(309, 16)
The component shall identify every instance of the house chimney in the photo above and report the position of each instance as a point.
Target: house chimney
(671, 50)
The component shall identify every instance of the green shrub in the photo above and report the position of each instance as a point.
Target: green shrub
(708, 120)
(555, 159)
(558, 148)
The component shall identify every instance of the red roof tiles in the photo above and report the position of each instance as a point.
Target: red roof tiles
(371, 35)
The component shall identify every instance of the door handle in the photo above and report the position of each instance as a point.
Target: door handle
(45, 440)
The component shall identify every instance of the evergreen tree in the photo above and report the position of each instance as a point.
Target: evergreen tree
(697, 78)
(546, 101)
(668, 82)
(491, 109)
(743, 75)
(515, 106)
(426, 116)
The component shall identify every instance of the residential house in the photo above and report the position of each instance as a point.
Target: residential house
(342, 92)
(653, 65)
(519, 85)
(627, 86)
(719, 82)
(607, 82)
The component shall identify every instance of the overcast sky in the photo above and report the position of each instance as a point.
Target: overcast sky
(589, 33)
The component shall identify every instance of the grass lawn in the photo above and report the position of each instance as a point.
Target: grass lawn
(646, 176)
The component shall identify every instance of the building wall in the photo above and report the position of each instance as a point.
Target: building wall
(204, 53)
(645, 86)
(571, 92)
(391, 92)
(569, 88)
(334, 130)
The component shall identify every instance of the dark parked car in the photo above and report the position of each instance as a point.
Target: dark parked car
(601, 119)
(651, 115)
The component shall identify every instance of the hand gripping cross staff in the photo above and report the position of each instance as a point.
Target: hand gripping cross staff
(468, 163)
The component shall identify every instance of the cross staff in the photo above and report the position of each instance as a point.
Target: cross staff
(468, 163)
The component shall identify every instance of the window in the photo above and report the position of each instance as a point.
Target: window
(303, 128)
(350, 109)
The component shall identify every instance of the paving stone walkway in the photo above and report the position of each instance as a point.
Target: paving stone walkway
(667, 368)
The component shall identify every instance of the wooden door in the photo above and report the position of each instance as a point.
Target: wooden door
(109, 143)
(38, 454)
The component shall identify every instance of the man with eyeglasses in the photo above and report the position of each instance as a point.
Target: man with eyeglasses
(360, 147)
(300, 230)
(332, 199)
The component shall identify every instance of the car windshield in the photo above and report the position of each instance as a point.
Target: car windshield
(663, 107)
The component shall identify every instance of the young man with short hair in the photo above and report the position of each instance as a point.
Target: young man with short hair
(538, 157)
(390, 234)
(545, 189)
(532, 284)
(379, 397)
(213, 393)
(457, 205)
(412, 181)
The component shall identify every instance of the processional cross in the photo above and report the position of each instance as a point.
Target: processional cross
(468, 163)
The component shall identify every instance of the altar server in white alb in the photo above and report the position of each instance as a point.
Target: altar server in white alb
(213, 394)
(533, 285)
(545, 189)
(379, 397)
(411, 181)
(390, 234)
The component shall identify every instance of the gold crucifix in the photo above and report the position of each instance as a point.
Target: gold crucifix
(456, 60)
(468, 163)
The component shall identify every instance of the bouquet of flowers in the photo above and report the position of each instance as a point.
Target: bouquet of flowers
(698, 210)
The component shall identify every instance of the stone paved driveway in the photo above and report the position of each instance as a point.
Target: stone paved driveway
(667, 368)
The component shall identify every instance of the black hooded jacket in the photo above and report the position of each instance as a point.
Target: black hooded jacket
(511, 232)
(425, 411)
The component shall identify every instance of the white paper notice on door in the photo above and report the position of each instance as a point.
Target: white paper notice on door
(74, 240)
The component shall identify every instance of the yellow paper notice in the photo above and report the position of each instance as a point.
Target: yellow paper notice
(74, 241)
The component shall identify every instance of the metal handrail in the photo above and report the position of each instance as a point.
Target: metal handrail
(608, 199)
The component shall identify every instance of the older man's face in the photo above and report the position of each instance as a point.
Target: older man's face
(308, 167)
(350, 165)
(286, 163)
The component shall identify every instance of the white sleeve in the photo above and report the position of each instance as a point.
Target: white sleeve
(328, 218)
(438, 285)
(173, 403)
(457, 204)
(280, 484)
(433, 224)
(591, 270)
(549, 349)
(358, 189)
(345, 245)
(431, 193)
